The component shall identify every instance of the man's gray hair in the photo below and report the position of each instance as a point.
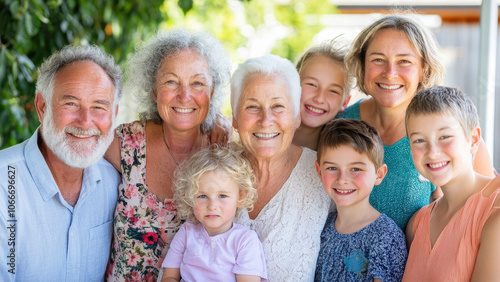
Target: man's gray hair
(71, 54)
(143, 68)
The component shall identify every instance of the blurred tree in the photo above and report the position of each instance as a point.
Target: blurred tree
(31, 30)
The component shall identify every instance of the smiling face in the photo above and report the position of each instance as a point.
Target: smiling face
(441, 151)
(265, 119)
(77, 126)
(183, 90)
(322, 82)
(216, 202)
(348, 176)
(393, 69)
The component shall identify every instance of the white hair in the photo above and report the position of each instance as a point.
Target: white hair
(269, 65)
(144, 66)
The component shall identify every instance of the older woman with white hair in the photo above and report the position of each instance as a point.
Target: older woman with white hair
(292, 207)
(178, 77)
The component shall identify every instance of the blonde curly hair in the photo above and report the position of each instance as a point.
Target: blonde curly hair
(230, 161)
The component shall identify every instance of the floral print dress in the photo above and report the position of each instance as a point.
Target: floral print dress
(143, 226)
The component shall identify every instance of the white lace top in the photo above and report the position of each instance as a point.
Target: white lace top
(290, 225)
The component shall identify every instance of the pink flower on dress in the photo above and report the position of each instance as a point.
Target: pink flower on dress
(162, 223)
(129, 211)
(150, 277)
(129, 161)
(133, 141)
(162, 213)
(142, 222)
(132, 260)
(150, 238)
(132, 220)
(131, 191)
(149, 262)
(151, 201)
(170, 206)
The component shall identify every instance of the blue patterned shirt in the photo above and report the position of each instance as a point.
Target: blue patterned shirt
(376, 251)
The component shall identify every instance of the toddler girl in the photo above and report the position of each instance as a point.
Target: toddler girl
(209, 191)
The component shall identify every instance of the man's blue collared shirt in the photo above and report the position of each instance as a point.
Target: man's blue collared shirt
(42, 237)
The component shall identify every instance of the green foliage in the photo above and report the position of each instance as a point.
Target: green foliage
(31, 30)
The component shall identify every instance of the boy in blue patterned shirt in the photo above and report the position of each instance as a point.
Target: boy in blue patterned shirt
(358, 243)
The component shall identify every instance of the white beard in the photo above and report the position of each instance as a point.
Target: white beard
(79, 154)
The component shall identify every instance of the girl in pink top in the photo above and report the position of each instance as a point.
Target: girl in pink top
(454, 238)
(209, 191)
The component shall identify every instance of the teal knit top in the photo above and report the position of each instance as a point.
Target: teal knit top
(403, 190)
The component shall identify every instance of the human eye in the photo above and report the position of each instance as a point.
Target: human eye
(331, 168)
(223, 196)
(198, 83)
(335, 91)
(252, 107)
(444, 137)
(202, 196)
(418, 140)
(310, 84)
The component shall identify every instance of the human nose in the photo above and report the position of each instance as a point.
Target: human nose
(85, 118)
(433, 150)
(319, 96)
(342, 178)
(266, 118)
(391, 70)
(184, 93)
(212, 204)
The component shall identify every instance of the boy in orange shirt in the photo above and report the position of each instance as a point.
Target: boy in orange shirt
(455, 238)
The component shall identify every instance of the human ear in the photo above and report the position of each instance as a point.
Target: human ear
(40, 105)
(345, 104)
(297, 121)
(318, 170)
(235, 124)
(241, 200)
(475, 140)
(425, 68)
(381, 172)
(155, 96)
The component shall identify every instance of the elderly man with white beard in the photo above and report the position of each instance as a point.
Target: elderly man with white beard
(58, 195)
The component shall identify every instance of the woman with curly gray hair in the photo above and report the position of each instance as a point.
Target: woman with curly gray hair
(177, 77)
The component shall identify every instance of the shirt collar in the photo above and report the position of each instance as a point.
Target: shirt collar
(43, 178)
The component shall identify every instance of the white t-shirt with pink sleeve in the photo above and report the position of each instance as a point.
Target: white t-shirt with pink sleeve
(201, 257)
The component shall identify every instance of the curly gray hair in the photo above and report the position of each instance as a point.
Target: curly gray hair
(71, 54)
(144, 66)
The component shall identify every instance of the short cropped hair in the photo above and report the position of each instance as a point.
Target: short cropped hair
(228, 160)
(271, 66)
(70, 54)
(143, 68)
(445, 100)
(356, 134)
(419, 36)
(335, 52)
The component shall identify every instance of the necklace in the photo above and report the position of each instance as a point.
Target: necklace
(168, 147)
